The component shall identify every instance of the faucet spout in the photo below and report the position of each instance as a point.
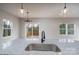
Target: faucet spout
(42, 36)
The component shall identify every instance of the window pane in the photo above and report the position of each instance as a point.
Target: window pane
(33, 31)
(29, 32)
(63, 26)
(70, 28)
(9, 32)
(8, 26)
(70, 31)
(5, 32)
(62, 31)
(70, 25)
(36, 31)
(5, 25)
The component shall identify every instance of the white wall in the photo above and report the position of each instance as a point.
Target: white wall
(51, 27)
(15, 28)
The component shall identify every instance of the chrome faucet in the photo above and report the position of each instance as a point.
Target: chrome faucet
(42, 36)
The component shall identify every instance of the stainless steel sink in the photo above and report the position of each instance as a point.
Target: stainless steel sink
(42, 47)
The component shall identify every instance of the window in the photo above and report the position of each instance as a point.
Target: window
(70, 29)
(32, 31)
(6, 28)
(67, 29)
(63, 29)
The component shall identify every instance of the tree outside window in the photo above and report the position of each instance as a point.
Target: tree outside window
(67, 29)
(33, 31)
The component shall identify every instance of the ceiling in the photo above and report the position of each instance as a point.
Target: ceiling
(41, 10)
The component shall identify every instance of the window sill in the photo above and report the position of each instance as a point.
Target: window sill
(7, 37)
(32, 38)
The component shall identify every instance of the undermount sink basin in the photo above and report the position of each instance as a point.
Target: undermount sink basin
(42, 47)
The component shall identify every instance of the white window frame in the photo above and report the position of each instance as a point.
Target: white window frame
(67, 29)
(26, 29)
(7, 28)
(59, 29)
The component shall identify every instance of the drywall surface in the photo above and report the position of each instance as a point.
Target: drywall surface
(14, 31)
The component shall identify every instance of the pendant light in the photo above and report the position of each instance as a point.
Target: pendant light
(65, 9)
(27, 19)
(22, 8)
(24, 12)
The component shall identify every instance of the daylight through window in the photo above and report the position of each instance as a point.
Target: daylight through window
(6, 28)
